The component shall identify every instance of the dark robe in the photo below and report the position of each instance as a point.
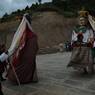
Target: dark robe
(25, 65)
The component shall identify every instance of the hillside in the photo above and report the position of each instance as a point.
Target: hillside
(51, 28)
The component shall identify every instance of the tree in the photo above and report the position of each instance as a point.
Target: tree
(4, 18)
(5, 15)
(40, 1)
(18, 11)
(62, 4)
(27, 7)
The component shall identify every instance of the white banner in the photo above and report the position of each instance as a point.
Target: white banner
(91, 21)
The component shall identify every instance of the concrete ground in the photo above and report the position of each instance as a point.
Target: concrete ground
(54, 79)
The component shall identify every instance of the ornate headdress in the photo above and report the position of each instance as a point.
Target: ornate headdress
(83, 13)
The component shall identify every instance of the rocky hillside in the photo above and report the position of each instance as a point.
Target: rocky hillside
(51, 28)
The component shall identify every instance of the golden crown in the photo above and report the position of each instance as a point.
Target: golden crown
(83, 13)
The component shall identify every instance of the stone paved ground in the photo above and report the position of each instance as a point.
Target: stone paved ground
(55, 79)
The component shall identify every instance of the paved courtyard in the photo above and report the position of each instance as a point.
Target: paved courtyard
(55, 79)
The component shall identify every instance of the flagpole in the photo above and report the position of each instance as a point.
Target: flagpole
(18, 81)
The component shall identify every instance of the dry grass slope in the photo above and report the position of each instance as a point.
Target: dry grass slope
(51, 28)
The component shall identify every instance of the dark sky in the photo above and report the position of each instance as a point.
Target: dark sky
(12, 5)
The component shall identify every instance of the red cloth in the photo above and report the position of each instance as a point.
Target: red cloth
(27, 34)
